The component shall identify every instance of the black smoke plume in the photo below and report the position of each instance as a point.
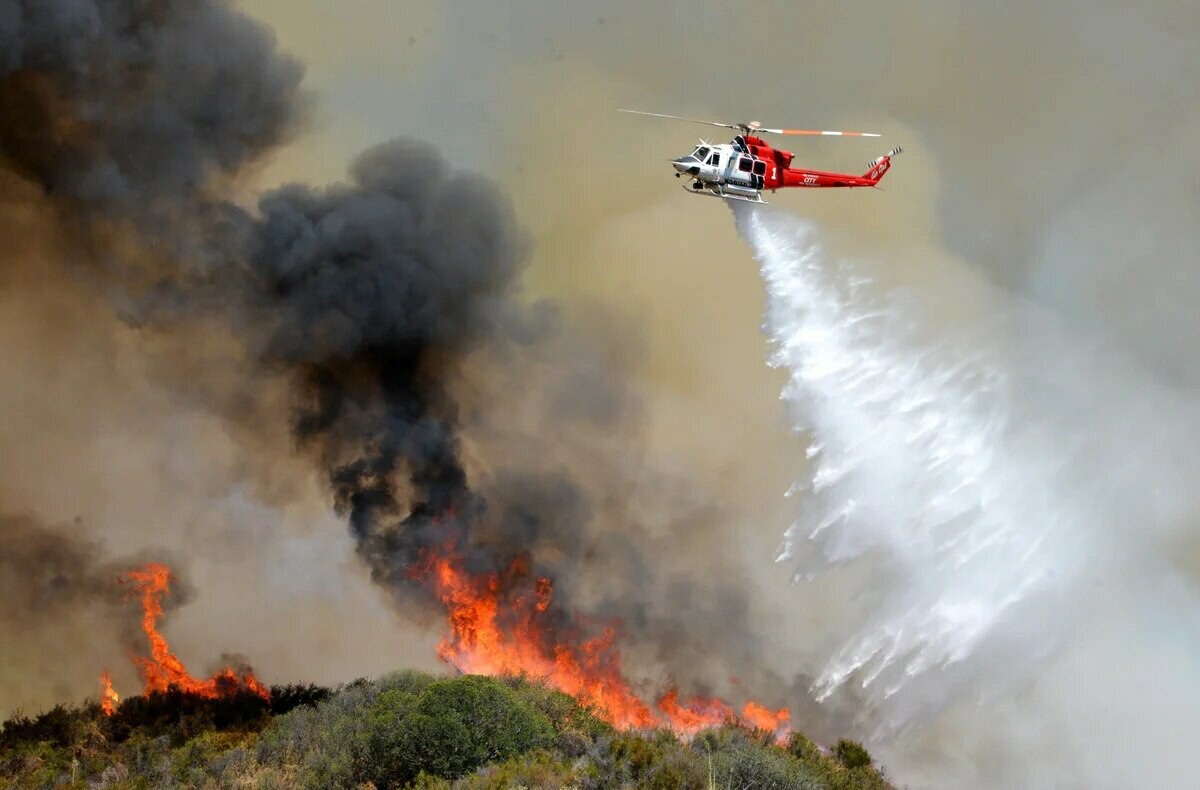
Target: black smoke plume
(134, 117)
(369, 295)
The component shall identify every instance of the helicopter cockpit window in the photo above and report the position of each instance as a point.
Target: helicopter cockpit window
(715, 159)
(700, 153)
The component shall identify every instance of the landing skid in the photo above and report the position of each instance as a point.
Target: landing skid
(717, 194)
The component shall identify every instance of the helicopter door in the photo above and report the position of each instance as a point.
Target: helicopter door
(744, 165)
(759, 177)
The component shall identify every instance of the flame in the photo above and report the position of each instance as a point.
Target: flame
(502, 623)
(163, 669)
(108, 697)
(481, 644)
(764, 718)
(694, 714)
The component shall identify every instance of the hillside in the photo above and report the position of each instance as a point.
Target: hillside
(407, 729)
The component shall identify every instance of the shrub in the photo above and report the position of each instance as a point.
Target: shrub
(563, 711)
(400, 750)
(287, 698)
(739, 759)
(802, 748)
(501, 724)
(451, 728)
(409, 680)
(54, 726)
(678, 767)
(540, 769)
(327, 744)
(646, 760)
(209, 754)
(851, 754)
(184, 715)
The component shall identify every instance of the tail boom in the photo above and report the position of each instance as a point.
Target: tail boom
(817, 178)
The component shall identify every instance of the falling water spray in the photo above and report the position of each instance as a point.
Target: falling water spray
(918, 474)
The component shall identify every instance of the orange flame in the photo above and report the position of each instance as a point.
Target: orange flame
(163, 668)
(498, 625)
(764, 718)
(108, 697)
(695, 714)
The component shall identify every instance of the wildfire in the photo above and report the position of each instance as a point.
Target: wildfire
(108, 696)
(499, 625)
(694, 715)
(764, 718)
(163, 669)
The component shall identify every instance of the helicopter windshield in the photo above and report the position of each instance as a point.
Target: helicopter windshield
(700, 153)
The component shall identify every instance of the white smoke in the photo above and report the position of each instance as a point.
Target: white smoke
(988, 492)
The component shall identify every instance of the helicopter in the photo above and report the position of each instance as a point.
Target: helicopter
(742, 168)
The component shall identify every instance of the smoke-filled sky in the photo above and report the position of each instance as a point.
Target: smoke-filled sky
(1046, 153)
(244, 362)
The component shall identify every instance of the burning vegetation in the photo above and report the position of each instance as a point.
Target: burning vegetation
(162, 670)
(108, 696)
(496, 628)
(499, 626)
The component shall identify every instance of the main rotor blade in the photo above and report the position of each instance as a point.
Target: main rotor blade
(754, 127)
(681, 118)
(818, 131)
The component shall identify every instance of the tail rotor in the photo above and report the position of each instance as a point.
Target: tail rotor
(877, 160)
(878, 166)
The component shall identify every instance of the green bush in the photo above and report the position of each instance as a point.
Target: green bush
(851, 754)
(563, 711)
(740, 759)
(540, 769)
(451, 728)
(325, 745)
(409, 680)
(802, 748)
(401, 749)
(655, 759)
(206, 755)
(500, 722)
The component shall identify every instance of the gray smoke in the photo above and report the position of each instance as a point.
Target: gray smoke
(44, 571)
(62, 607)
